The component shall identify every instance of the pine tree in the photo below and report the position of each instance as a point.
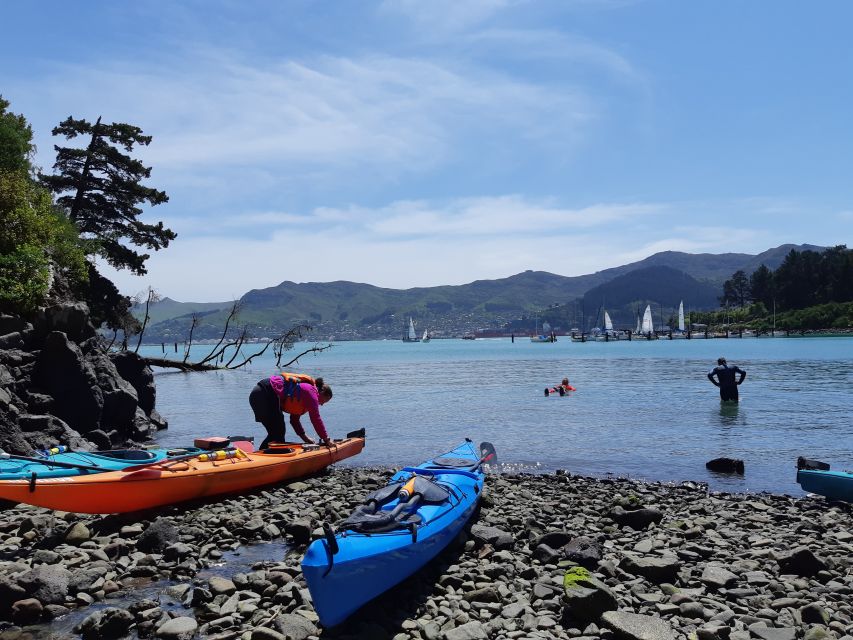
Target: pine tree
(100, 189)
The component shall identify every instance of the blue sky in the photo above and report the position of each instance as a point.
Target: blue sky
(419, 143)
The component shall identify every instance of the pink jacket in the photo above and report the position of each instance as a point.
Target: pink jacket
(309, 399)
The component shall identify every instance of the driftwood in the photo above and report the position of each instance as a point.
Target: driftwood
(216, 357)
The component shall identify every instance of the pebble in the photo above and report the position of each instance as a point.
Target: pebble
(650, 561)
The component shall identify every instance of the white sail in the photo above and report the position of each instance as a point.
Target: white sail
(608, 325)
(647, 327)
(639, 326)
(412, 335)
(681, 316)
(425, 337)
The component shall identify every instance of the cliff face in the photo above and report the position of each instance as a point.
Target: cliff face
(58, 386)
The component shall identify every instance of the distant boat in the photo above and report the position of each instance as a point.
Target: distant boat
(411, 336)
(469, 336)
(675, 335)
(426, 336)
(609, 333)
(541, 337)
(648, 328)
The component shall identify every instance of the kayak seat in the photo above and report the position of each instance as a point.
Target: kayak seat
(450, 463)
(369, 517)
(127, 454)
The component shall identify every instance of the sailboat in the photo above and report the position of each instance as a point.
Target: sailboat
(539, 337)
(426, 336)
(411, 336)
(680, 333)
(609, 332)
(648, 327)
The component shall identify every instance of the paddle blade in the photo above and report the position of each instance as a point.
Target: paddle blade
(488, 453)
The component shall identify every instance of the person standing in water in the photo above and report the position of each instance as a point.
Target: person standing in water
(725, 379)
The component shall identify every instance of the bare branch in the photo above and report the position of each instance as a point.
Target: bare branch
(193, 325)
(152, 296)
(232, 315)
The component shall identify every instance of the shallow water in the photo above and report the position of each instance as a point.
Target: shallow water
(231, 562)
(643, 409)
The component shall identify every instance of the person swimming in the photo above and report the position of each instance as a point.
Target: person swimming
(561, 388)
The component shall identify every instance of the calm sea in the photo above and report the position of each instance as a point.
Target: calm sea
(642, 409)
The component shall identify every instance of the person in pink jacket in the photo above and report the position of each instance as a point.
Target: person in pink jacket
(272, 397)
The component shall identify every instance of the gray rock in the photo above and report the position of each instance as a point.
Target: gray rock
(493, 536)
(294, 626)
(800, 561)
(299, 530)
(718, 577)
(47, 583)
(656, 569)
(106, 624)
(473, 630)
(10, 592)
(46, 556)
(584, 551)
(262, 633)
(774, 633)
(725, 465)
(586, 598)
(633, 626)
(27, 611)
(814, 614)
(182, 628)
(637, 519)
(159, 535)
(221, 586)
(77, 533)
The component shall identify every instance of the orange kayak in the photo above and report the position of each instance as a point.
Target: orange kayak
(168, 482)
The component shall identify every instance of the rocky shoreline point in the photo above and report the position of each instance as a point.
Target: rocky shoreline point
(548, 556)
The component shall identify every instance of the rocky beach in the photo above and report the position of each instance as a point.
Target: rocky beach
(548, 556)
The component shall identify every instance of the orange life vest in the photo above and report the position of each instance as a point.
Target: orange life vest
(291, 397)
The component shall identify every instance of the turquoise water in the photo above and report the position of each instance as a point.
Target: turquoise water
(643, 409)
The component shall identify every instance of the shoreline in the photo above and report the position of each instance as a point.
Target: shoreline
(673, 558)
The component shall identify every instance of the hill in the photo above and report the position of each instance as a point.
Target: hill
(167, 308)
(350, 310)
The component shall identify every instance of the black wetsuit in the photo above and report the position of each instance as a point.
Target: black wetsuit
(265, 404)
(727, 383)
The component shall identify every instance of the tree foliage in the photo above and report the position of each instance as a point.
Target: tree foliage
(101, 189)
(16, 140)
(37, 243)
(804, 279)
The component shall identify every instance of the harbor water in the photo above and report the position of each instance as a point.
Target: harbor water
(642, 409)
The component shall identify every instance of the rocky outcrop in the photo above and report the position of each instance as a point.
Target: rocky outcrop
(59, 386)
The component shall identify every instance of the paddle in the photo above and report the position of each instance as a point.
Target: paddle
(188, 456)
(52, 463)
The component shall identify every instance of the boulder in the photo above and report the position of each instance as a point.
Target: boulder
(497, 538)
(637, 519)
(182, 628)
(725, 465)
(633, 626)
(106, 624)
(800, 561)
(159, 535)
(46, 582)
(62, 371)
(658, 570)
(294, 626)
(132, 368)
(27, 611)
(583, 551)
(586, 597)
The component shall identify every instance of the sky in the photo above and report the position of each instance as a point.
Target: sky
(406, 143)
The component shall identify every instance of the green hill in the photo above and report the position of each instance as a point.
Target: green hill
(350, 310)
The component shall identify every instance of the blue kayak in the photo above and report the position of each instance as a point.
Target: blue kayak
(395, 532)
(76, 463)
(835, 485)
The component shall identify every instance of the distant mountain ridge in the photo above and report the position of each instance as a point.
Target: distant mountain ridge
(350, 310)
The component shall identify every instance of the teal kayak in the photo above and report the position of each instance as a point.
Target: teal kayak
(395, 532)
(816, 477)
(76, 463)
